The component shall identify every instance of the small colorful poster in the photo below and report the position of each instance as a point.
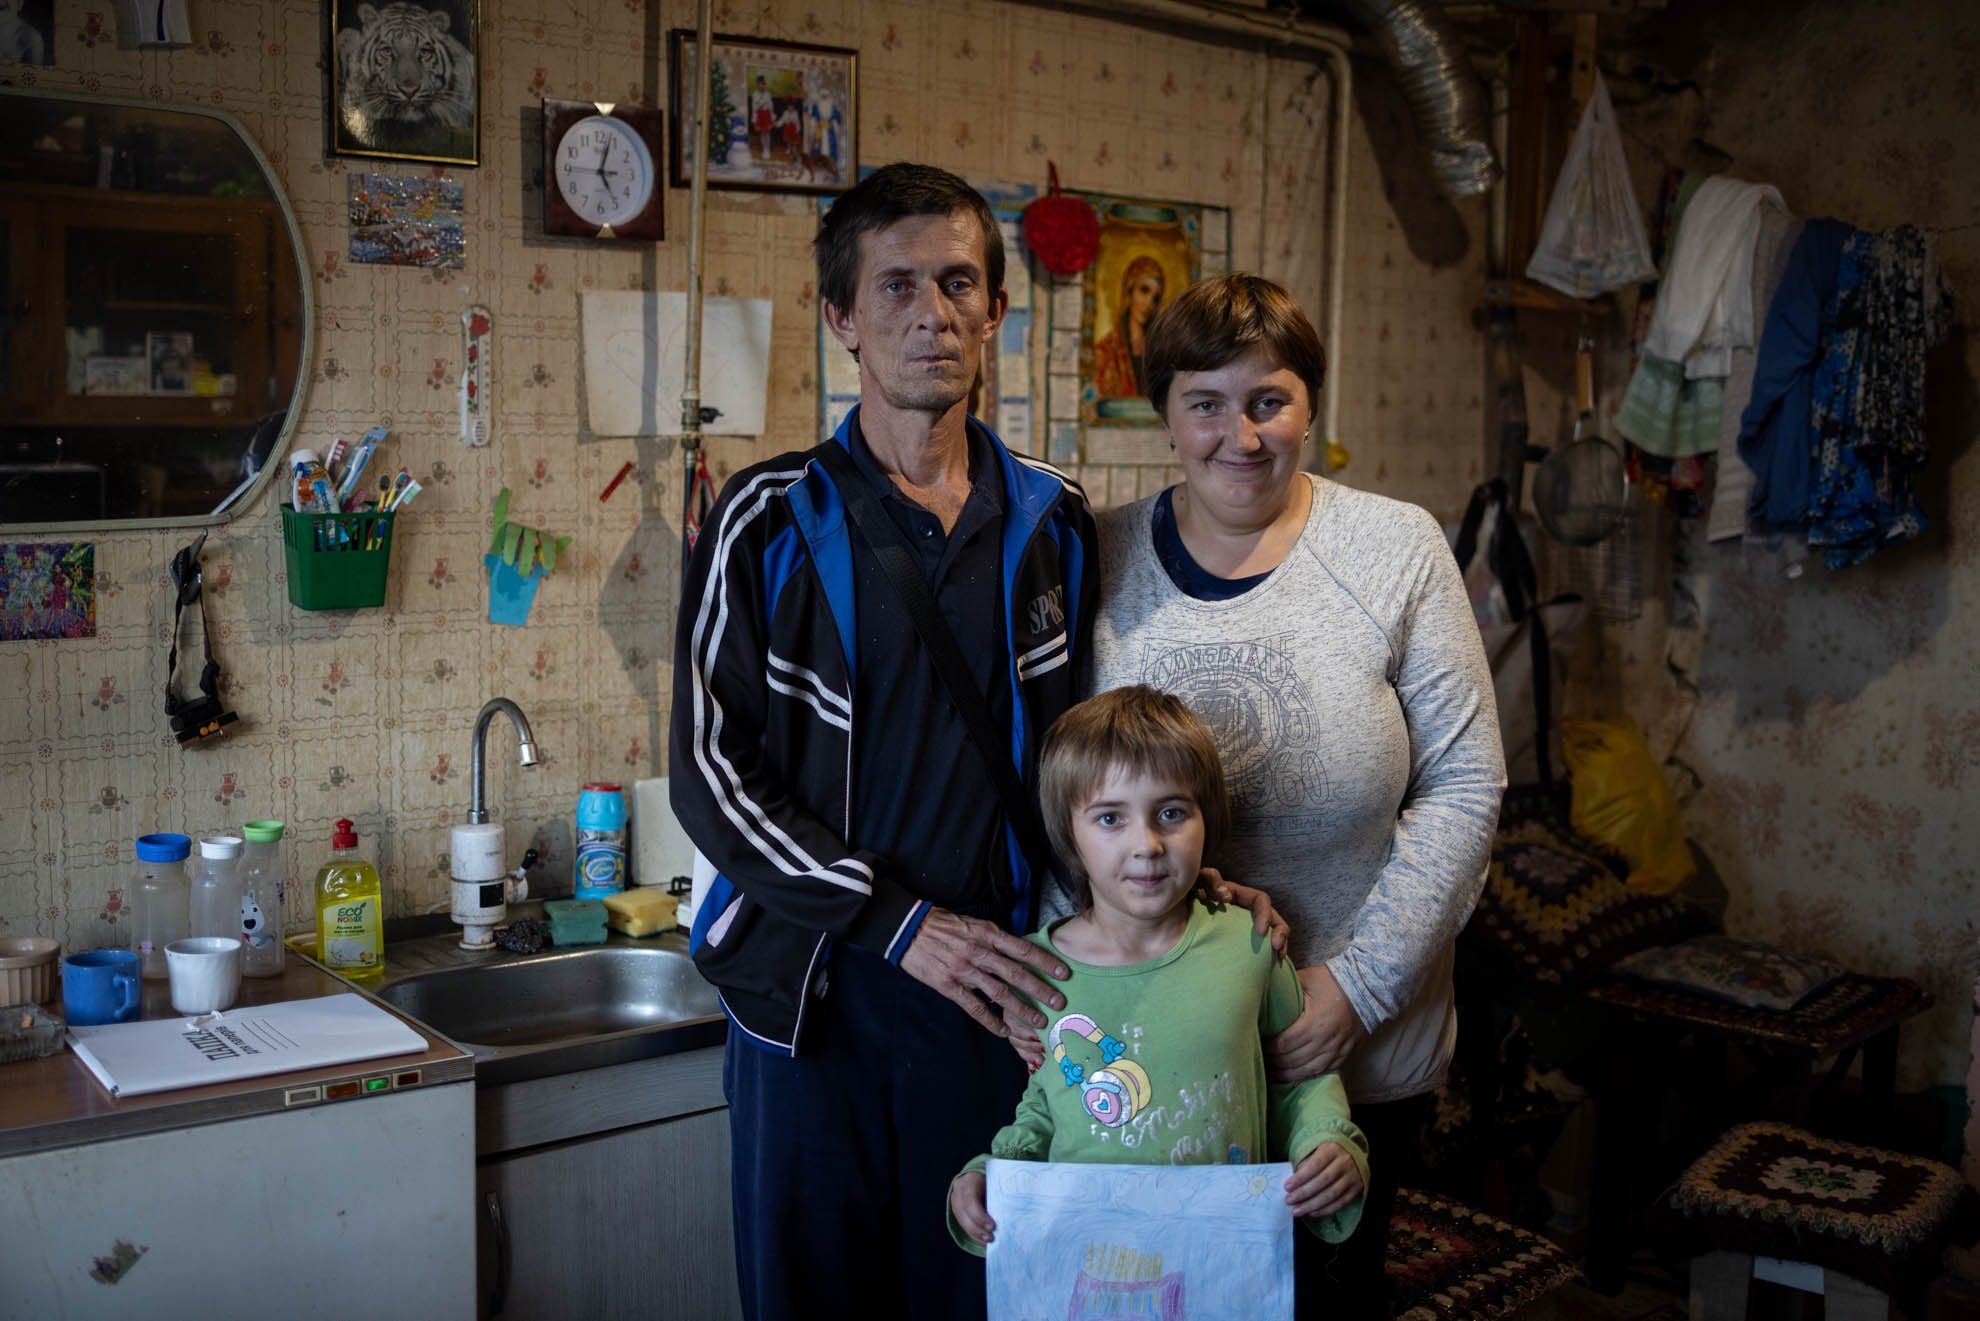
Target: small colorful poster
(398, 221)
(47, 591)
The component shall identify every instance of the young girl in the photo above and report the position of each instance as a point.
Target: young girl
(1155, 1059)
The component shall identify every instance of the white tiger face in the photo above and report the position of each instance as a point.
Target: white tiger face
(403, 66)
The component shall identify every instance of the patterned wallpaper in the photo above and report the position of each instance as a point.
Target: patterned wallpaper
(1832, 721)
(367, 714)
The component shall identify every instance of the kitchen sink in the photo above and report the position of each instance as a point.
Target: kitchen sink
(536, 1015)
(590, 991)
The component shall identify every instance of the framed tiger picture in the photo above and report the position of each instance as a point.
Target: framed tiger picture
(404, 79)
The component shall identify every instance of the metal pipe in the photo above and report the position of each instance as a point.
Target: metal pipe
(478, 755)
(1238, 20)
(1337, 260)
(704, 39)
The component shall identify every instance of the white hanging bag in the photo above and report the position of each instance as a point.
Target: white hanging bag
(1592, 240)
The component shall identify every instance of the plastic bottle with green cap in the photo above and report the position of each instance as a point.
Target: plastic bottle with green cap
(264, 887)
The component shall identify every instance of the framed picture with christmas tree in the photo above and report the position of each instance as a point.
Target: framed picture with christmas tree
(783, 117)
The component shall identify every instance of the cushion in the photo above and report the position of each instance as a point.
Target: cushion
(1447, 1262)
(1744, 972)
(1777, 1191)
(1555, 906)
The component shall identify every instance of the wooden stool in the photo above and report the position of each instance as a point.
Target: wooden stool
(1855, 1224)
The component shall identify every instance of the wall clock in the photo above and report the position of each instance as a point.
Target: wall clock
(599, 170)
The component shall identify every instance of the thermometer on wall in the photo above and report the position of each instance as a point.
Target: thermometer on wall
(477, 422)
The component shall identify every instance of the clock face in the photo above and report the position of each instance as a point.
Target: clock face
(604, 172)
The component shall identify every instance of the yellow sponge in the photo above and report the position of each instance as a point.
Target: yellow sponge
(640, 911)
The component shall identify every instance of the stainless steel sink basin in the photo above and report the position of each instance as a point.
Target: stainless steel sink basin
(528, 1016)
(586, 992)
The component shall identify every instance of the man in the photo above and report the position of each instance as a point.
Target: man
(869, 883)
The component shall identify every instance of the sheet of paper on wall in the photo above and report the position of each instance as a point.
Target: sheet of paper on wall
(1207, 1242)
(635, 364)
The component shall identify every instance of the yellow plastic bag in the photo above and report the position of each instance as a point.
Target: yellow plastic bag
(1620, 800)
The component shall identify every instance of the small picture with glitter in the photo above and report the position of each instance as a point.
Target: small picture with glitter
(398, 221)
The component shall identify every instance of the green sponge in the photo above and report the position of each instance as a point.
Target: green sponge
(575, 921)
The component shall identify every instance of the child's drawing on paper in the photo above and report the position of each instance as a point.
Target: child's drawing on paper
(1145, 1241)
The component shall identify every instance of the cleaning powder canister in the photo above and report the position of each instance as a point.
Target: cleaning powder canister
(601, 841)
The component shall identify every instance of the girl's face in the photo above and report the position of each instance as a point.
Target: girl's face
(1238, 429)
(1140, 839)
(1144, 298)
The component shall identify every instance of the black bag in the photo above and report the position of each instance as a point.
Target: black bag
(1529, 655)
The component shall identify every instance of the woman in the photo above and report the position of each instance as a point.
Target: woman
(1324, 635)
(1119, 357)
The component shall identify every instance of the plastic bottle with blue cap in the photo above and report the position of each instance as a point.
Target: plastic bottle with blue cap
(161, 894)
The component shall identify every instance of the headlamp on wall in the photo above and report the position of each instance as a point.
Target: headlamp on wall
(197, 718)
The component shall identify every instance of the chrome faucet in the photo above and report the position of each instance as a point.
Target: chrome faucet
(477, 800)
(482, 886)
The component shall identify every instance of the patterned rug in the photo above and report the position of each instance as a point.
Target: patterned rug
(1774, 1190)
(1448, 1262)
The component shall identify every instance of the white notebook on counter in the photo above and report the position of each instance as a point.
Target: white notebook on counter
(158, 1055)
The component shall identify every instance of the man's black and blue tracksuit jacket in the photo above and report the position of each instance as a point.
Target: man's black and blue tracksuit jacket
(762, 746)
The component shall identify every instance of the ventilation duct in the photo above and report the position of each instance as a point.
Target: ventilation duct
(1444, 95)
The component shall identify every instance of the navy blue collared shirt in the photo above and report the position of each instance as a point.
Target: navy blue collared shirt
(921, 797)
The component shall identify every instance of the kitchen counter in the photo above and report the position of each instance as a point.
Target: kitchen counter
(56, 1101)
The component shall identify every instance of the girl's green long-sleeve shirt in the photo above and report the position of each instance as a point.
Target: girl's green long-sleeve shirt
(1161, 1063)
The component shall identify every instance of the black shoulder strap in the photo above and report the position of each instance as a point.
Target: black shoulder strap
(1512, 565)
(896, 560)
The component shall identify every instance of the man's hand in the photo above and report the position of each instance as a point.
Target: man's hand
(1213, 888)
(1321, 1038)
(976, 963)
(966, 1203)
(1325, 1182)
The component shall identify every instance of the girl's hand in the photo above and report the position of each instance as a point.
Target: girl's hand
(1212, 888)
(1325, 1182)
(1321, 1038)
(966, 1204)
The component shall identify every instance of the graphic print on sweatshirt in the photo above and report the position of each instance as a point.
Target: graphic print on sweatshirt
(1117, 1094)
(1255, 700)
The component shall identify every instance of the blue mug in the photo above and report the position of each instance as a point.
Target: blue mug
(100, 986)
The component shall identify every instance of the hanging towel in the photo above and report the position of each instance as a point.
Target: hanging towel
(1777, 433)
(1705, 305)
(1661, 412)
(1732, 485)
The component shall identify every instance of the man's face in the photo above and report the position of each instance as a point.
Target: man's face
(922, 312)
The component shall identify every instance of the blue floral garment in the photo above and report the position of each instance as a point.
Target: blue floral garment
(1868, 410)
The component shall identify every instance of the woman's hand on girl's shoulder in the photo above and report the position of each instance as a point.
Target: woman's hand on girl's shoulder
(1214, 890)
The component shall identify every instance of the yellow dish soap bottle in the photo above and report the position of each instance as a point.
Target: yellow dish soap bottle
(350, 910)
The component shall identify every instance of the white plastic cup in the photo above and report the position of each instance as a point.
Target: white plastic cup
(205, 973)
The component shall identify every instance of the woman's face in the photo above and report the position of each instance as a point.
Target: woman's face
(1238, 431)
(1144, 298)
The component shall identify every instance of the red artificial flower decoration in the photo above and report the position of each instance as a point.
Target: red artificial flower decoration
(1062, 231)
